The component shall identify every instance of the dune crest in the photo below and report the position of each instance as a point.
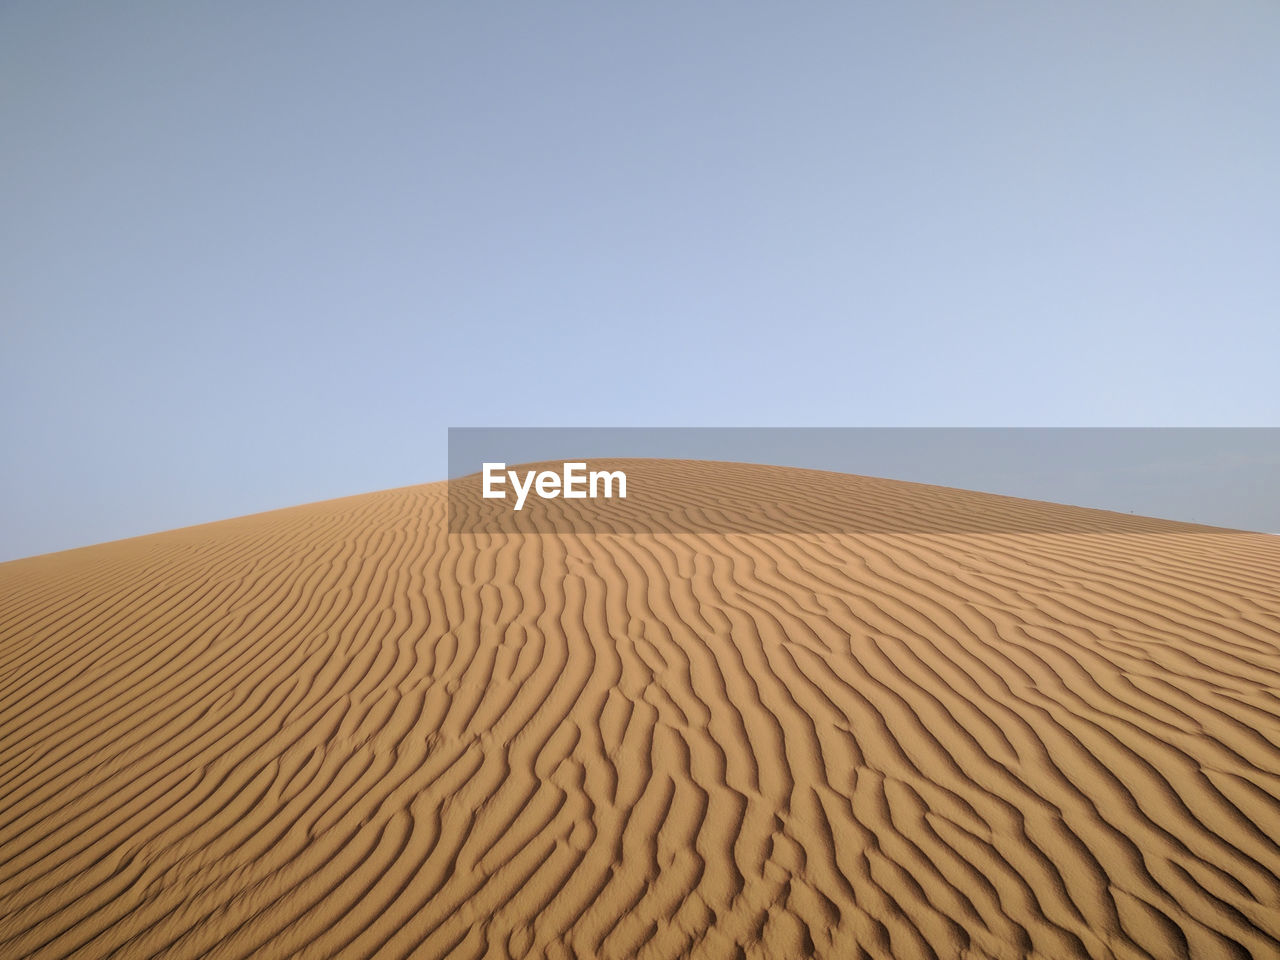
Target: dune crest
(338, 730)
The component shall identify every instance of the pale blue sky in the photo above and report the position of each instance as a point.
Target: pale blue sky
(257, 254)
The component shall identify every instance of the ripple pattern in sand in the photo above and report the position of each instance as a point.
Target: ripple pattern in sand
(337, 730)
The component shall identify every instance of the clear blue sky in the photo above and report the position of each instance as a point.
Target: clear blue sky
(257, 254)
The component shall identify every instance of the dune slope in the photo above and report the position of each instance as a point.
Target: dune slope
(336, 730)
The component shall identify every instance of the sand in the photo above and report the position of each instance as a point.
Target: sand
(335, 730)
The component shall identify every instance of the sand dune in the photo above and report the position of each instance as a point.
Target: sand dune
(336, 730)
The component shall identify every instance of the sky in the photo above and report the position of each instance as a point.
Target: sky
(260, 254)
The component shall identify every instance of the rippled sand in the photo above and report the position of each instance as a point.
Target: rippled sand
(337, 730)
